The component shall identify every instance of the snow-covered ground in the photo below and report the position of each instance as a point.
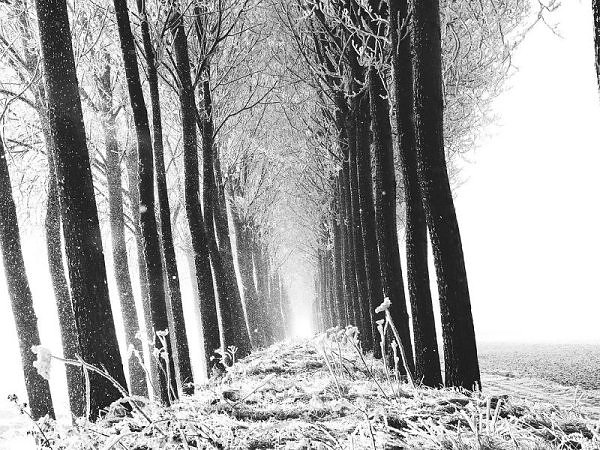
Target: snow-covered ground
(320, 393)
(13, 429)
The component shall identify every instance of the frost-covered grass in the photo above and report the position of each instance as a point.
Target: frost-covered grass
(321, 394)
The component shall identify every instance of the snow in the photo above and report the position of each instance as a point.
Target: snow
(320, 393)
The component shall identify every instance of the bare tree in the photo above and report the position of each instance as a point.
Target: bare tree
(107, 114)
(460, 349)
(83, 243)
(38, 389)
(427, 363)
(152, 252)
(208, 307)
(182, 352)
(26, 65)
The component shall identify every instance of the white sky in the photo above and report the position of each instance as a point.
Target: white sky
(529, 210)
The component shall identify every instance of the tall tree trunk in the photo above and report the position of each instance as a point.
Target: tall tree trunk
(351, 276)
(131, 161)
(367, 215)
(182, 352)
(152, 253)
(221, 222)
(346, 224)
(347, 279)
(325, 297)
(338, 279)
(208, 306)
(322, 322)
(460, 349)
(66, 316)
(230, 304)
(224, 241)
(244, 254)
(366, 330)
(427, 360)
(385, 211)
(316, 304)
(68, 327)
(38, 389)
(83, 243)
(331, 288)
(137, 375)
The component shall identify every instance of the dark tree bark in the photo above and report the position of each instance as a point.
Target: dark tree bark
(244, 255)
(225, 248)
(38, 389)
(317, 317)
(66, 316)
(221, 222)
(137, 375)
(182, 352)
(131, 161)
(460, 349)
(152, 253)
(344, 293)
(326, 294)
(230, 304)
(338, 277)
(351, 277)
(367, 216)
(385, 212)
(83, 244)
(208, 306)
(427, 360)
(366, 335)
(331, 288)
(320, 297)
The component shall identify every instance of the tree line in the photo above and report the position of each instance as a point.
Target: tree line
(401, 89)
(264, 140)
(42, 77)
(355, 47)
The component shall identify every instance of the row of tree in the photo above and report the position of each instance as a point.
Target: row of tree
(362, 266)
(403, 88)
(257, 138)
(236, 313)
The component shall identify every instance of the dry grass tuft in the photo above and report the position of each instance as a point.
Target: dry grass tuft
(321, 394)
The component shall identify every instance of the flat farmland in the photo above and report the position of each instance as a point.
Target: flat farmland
(565, 374)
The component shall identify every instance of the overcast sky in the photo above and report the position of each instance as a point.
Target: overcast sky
(528, 211)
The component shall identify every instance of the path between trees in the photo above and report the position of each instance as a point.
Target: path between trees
(303, 394)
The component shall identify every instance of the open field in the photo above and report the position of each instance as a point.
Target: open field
(564, 374)
(566, 364)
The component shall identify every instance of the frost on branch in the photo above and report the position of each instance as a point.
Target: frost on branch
(384, 306)
(42, 363)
